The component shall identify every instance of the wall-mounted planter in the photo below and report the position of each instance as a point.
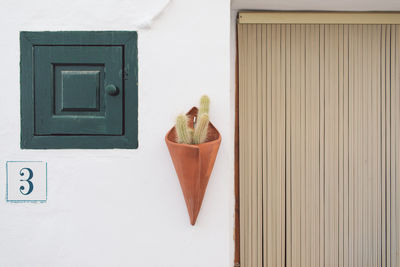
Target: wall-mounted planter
(193, 165)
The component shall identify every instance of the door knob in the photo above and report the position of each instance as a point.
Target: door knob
(112, 90)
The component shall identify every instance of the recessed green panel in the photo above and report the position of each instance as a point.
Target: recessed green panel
(79, 90)
(64, 103)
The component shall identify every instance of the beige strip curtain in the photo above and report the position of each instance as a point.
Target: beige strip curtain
(319, 116)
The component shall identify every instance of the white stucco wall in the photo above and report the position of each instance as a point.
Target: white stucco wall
(124, 207)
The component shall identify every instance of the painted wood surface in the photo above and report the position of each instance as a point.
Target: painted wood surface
(64, 98)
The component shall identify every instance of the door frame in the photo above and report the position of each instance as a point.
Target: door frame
(289, 17)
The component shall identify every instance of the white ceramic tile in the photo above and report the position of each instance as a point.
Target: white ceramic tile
(26, 181)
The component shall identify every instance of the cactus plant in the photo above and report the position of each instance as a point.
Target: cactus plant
(197, 134)
(184, 134)
(201, 129)
(204, 105)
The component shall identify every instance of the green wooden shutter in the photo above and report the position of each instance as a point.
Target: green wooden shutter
(79, 89)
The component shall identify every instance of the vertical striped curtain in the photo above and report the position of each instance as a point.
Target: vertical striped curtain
(319, 148)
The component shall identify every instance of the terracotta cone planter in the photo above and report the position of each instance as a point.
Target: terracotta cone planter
(193, 165)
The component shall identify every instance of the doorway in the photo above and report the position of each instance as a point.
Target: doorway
(319, 152)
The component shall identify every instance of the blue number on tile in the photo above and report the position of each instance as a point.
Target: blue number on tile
(28, 180)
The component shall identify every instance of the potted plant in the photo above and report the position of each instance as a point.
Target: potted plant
(193, 144)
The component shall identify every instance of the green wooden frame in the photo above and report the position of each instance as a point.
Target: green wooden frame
(127, 39)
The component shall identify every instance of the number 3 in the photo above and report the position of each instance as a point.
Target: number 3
(28, 180)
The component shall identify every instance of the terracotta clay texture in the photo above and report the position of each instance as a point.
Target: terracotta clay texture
(193, 165)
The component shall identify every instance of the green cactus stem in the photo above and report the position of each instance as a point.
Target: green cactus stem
(191, 133)
(204, 105)
(183, 132)
(201, 129)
